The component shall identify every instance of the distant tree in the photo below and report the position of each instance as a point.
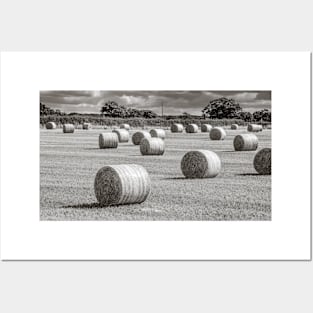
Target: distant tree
(245, 116)
(45, 110)
(222, 108)
(113, 109)
(262, 115)
(148, 114)
(267, 116)
(42, 109)
(186, 115)
(134, 112)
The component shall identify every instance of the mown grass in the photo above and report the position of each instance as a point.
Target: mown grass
(69, 163)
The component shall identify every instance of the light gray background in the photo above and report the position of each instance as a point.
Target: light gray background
(156, 286)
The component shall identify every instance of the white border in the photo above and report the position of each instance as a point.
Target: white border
(23, 236)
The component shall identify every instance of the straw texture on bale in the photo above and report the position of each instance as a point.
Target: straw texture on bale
(122, 134)
(159, 133)
(234, 126)
(245, 142)
(51, 125)
(262, 161)
(86, 126)
(68, 128)
(200, 164)
(192, 128)
(254, 128)
(217, 133)
(138, 136)
(125, 126)
(206, 128)
(152, 146)
(108, 140)
(122, 184)
(177, 128)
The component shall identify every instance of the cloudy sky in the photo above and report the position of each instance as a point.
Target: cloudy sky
(175, 102)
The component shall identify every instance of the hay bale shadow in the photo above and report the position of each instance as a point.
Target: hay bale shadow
(93, 205)
(250, 174)
(175, 178)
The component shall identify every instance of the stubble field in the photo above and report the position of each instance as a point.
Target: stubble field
(69, 163)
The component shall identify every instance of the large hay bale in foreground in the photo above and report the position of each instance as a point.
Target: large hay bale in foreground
(217, 133)
(254, 128)
(86, 125)
(177, 128)
(262, 161)
(138, 136)
(245, 142)
(206, 128)
(51, 125)
(68, 128)
(108, 140)
(152, 146)
(125, 126)
(158, 133)
(192, 128)
(122, 184)
(200, 164)
(234, 126)
(122, 134)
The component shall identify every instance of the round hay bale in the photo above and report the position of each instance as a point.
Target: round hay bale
(138, 136)
(158, 133)
(122, 134)
(68, 128)
(177, 128)
(217, 133)
(206, 128)
(108, 140)
(234, 126)
(262, 161)
(51, 125)
(86, 125)
(152, 146)
(122, 184)
(254, 128)
(125, 126)
(245, 142)
(200, 164)
(192, 128)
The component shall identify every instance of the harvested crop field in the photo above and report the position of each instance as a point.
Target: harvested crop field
(70, 161)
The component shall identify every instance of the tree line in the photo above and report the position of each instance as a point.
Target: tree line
(217, 109)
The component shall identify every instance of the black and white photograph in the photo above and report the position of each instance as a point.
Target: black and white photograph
(155, 155)
(162, 158)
